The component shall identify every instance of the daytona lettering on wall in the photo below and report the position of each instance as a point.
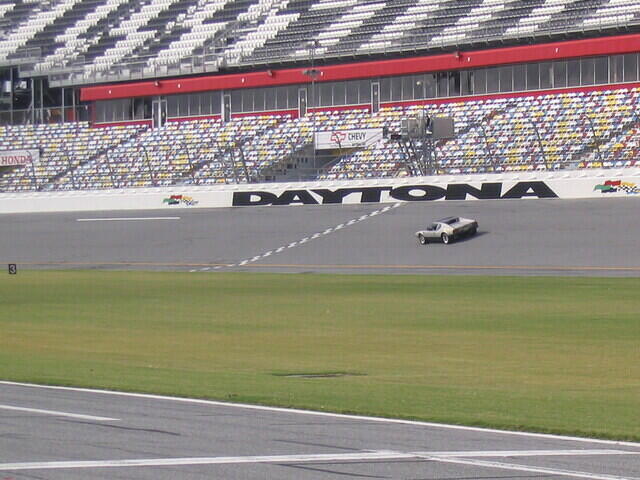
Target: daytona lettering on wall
(411, 193)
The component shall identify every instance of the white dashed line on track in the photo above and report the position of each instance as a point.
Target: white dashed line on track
(316, 235)
(125, 219)
(304, 240)
(54, 413)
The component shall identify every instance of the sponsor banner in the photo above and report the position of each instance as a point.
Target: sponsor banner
(18, 157)
(183, 200)
(347, 138)
(618, 186)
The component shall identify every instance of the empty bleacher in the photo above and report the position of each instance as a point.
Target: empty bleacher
(107, 38)
(569, 130)
(576, 130)
(63, 148)
(191, 152)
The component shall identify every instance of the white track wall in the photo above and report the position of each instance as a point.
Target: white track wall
(610, 183)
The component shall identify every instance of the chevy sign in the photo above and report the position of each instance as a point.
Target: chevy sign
(347, 138)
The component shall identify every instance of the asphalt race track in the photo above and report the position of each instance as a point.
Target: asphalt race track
(516, 237)
(57, 433)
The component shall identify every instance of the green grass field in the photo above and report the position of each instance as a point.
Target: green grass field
(544, 354)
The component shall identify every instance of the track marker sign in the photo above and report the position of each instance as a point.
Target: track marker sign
(13, 269)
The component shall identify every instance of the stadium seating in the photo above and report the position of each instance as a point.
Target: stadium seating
(547, 132)
(576, 130)
(63, 148)
(117, 36)
(189, 152)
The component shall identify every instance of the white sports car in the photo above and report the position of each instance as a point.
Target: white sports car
(447, 229)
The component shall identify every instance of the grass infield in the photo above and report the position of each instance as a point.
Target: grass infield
(550, 354)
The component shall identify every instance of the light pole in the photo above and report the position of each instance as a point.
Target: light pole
(596, 138)
(540, 144)
(146, 154)
(488, 146)
(191, 170)
(313, 74)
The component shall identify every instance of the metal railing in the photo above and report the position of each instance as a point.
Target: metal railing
(48, 115)
(23, 56)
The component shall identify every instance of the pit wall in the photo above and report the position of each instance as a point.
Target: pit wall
(609, 183)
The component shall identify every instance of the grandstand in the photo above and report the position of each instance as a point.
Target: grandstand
(142, 93)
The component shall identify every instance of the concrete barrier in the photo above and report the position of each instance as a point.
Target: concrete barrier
(605, 183)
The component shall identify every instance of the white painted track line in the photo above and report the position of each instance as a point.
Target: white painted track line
(196, 401)
(526, 453)
(531, 469)
(157, 462)
(125, 219)
(58, 414)
(446, 457)
(328, 231)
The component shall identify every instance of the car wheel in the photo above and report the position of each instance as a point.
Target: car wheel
(446, 239)
(422, 239)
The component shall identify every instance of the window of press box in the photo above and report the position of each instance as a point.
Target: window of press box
(533, 76)
(320, 94)
(573, 73)
(193, 104)
(630, 67)
(546, 75)
(602, 70)
(352, 90)
(339, 93)
(407, 88)
(500, 79)
(587, 71)
(506, 78)
(519, 78)
(396, 89)
(616, 68)
(479, 85)
(454, 83)
(560, 74)
(493, 79)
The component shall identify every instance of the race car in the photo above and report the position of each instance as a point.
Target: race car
(447, 229)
